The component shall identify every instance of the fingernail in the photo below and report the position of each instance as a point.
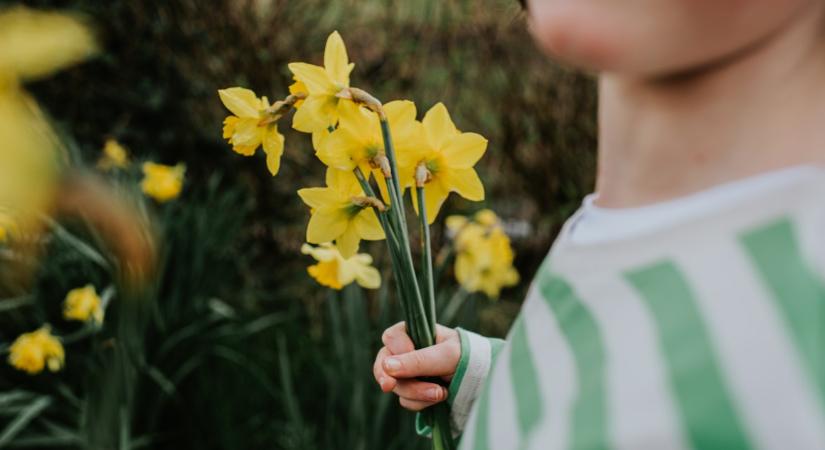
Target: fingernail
(392, 364)
(434, 393)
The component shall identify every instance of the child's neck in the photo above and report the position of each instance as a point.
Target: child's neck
(761, 110)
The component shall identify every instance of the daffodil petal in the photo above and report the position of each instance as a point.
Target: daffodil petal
(464, 150)
(242, 102)
(229, 126)
(316, 114)
(336, 62)
(400, 111)
(358, 120)
(434, 197)
(245, 150)
(315, 78)
(465, 182)
(455, 223)
(368, 277)
(247, 133)
(326, 224)
(367, 225)
(343, 182)
(273, 144)
(348, 241)
(438, 126)
(316, 198)
(336, 149)
(320, 253)
(318, 138)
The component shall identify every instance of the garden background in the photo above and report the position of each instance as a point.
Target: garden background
(239, 347)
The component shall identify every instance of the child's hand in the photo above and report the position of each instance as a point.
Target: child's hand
(398, 364)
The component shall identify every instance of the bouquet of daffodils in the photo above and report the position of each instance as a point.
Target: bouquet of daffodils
(373, 153)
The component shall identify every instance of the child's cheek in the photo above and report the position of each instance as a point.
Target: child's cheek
(577, 34)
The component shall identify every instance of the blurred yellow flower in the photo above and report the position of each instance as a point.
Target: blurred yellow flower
(357, 142)
(484, 256)
(8, 227)
(340, 213)
(37, 43)
(253, 125)
(114, 155)
(320, 109)
(161, 182)
(448, 156)
(33, 351)
(335, 271)
(28, 157)
(83, 304)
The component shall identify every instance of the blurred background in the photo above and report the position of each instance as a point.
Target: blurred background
(232, 345)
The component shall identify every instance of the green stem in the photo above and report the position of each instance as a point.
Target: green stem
(395, 254)
(453, 306)
(419, 316)
(426, 260)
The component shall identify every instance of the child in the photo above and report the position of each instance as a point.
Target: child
(682, 306)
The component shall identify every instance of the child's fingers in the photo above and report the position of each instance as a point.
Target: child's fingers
(438, 360)
(414, 405)
(397, 340)
(386, 382)
(420, 391)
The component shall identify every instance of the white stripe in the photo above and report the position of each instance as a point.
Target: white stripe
(478, 366)
(556, 374)
(502, 425)
(641, 408)
(468, 437)
(778, 405)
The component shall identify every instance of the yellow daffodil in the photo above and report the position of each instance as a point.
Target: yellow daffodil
(446, 156)
(33, 351)
(357, 142)
(37, 43)
(341, 213)
(83, 304)
(114, 155)
(484, 255)
(320, 110)
(253, 125)
(161, 182)
(335, 271)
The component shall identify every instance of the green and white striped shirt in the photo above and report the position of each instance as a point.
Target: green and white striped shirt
(705, 330)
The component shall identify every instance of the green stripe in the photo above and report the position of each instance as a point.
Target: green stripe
(481, 441)
(524, 378)
(798, 291)
(705, 406)
(589, 422)
(463, 362)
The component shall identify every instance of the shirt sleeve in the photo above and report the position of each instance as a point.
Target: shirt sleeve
(477, 356)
